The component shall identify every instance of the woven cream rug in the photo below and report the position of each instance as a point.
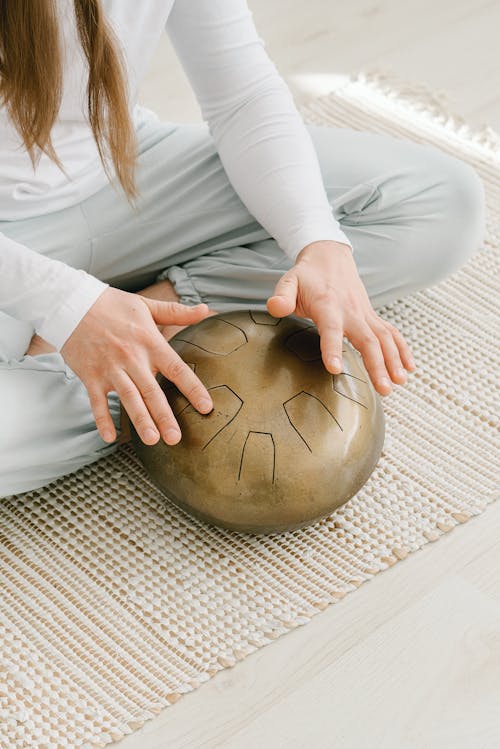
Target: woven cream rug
(114, 603)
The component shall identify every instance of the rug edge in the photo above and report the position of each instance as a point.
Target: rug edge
(427, 104)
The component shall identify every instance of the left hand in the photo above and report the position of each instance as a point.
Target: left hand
(324, 285)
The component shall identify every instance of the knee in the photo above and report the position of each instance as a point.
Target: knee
(466, 201)
(457, 230)
(48, 426)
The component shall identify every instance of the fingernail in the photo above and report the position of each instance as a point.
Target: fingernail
(108, 437)
(150, 434)
(400, 372)
(385, 382)
(335, 363)
(173, 434)
(206, 404)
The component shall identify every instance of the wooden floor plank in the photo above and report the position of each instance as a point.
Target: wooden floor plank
(236, 697)
(430, 677)
(449, 46)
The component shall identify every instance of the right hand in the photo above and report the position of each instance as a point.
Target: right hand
(118, 346)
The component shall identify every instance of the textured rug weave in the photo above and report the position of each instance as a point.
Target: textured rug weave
(114, 603)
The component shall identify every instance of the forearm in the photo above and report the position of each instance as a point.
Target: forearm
(262, 141)
(270, 159)
(49, 294)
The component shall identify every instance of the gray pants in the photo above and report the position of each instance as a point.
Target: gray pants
(413, 214)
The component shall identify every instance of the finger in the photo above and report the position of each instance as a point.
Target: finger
(100, 409)
(134, 405)
(390, 351)
(170, 364)
(404, 349)
(367, 343)
(331, 333)
(157, 404)
(175, 313)
(284, 300)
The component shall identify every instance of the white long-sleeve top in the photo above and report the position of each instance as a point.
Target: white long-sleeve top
(259, 134)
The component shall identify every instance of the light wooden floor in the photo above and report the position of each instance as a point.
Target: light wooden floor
(450, 46)
(411, 660)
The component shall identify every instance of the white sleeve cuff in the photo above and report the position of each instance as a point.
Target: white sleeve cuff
(61, 322)
(297, 240)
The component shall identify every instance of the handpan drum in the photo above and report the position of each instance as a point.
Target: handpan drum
(286, 443)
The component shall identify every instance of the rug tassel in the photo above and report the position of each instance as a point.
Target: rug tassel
(426, 101)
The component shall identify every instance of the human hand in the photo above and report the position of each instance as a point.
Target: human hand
(118, 346)
(324, 285)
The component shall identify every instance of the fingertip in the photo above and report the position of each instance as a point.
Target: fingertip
(334, 364)
(280, 301)
(173, 436)
(384, 388)
(200, 309)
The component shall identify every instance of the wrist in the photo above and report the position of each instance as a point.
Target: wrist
(325, 245)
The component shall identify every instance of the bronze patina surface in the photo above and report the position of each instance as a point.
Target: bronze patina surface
(286, 443)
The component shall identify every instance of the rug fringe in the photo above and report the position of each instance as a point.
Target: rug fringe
(433, 104)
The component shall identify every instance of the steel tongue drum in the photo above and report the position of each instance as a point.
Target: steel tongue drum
(286, 443)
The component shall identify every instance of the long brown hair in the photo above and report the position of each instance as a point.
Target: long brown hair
(31, 81)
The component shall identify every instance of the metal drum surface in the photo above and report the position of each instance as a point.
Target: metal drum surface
(286, 443)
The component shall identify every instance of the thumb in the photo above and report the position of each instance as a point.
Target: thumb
(165, 313)
(284, 300)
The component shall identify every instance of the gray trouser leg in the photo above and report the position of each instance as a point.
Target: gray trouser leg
(414, 215)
